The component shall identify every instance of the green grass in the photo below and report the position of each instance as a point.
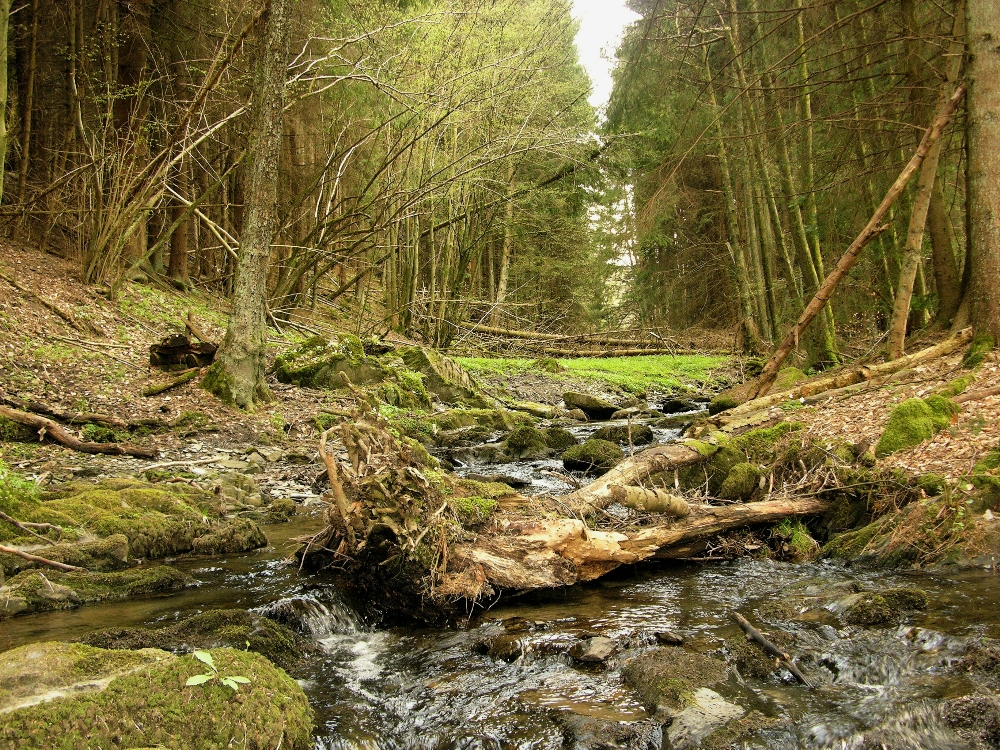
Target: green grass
(662, 372)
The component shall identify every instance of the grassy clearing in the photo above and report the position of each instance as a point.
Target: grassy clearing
(662, 372)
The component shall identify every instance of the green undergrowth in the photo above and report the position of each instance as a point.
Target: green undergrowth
(152, 707)
(662, 372)
(914, 421)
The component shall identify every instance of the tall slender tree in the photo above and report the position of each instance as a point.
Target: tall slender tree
(238, 374)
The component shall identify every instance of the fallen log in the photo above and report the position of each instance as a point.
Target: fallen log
(36, 407)
(425, 545)
(854, 375)
(762, 384)
(783, 659)
(185, 377)
(634, 470)
(58, 433)
(976, 395)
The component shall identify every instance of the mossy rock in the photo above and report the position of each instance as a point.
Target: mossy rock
(886, 607)
(548, 364)
(496, 420)
(472, 510)
(98, 555)
(33, 591)
(761, 447)
(406, 392)
(720, 404)
(526, 442)
(985, 478)
(740, 483)
(641, 434)
(444, 377)
(593, 457)
(559, 438)
(151, 706)
(592, 406)
(670, 676)
(322, 363)
(787, 379)
(233, 628)
(957, 386)
(914, 421)
(157, 520)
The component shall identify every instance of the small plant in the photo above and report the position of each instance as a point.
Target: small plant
(232, 681)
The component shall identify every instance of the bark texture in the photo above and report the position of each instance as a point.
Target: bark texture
(983, 23)
(238, 375)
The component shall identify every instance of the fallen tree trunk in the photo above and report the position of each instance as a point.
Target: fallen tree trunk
(428, 545)
(760, 386)
(854, 375)
(58, 433)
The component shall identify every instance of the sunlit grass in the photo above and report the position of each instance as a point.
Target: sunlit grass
(662, 372)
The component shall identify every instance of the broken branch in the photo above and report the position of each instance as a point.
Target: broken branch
(58, 433)
(41, 560)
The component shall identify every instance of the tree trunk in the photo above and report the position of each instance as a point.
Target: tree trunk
(946, 278)
(28, 105)
(178, 268)
(4, 24)
(508, 245)
(983, 18)
(238, 374)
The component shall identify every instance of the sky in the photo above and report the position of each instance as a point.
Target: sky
(601, 26)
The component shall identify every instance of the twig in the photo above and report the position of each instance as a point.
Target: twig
(89, 343)
(44, 561)
(783, 658)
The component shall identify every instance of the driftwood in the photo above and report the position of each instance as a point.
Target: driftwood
(405, 545)
(854, 375)
(781, 657)
(762, 384)
(40, 560)
(58, 433)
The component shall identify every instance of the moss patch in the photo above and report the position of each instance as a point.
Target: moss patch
(740, 483)
(331, 364)
(641, 434)
(787, 378)
(670, 676)
(152, 707)
(982, 345)
(492, 419)
(473, 510)
(593, 457)
(526, 442)
(234, 628)
(914, 421)
(886, 607)
(559, 439)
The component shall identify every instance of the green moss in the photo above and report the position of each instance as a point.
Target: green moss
(526, 441)
(787, 378)
(473, 511)
(559, 439)
(15, 432)
(670, 676)
(318, 363)
(740, 483)
(33, 591)
(985, 477)
(801, 545)
(932, 484)
(703, 447)
(737, 732)
(152, 707)
(489, 490)
(981, 345)
(100, 555)
(219, 383)
(914, 421)
(721, 404)
(547, 364)
(233, 628)
(492, 419)
(94, 433)
(637, 434)
(957, 386)
(593, 456)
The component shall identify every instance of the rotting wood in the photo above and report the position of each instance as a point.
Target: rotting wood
(634, 470)
(854, 375)
(783, 658)
(41, 560)
(976, 395)
(651, 501)
(36, 407)
(58, 433)
(185, 377)
(760, 386)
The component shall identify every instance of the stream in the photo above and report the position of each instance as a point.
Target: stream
(406, 687)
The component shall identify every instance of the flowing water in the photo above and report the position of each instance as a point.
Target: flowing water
(404, 687)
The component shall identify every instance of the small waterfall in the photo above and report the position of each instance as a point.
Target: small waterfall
(316, 614)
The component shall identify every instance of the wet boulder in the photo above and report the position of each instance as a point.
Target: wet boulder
(679, 406)
(623, 434)
(975, 718)
(542, 411)
(595, 650)
(592, 406)
(593, 457)
(526, 443)
(707, 713)
(52, 692)
(886, 607)
(583, 732)
(667, 678)
(559, 438)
